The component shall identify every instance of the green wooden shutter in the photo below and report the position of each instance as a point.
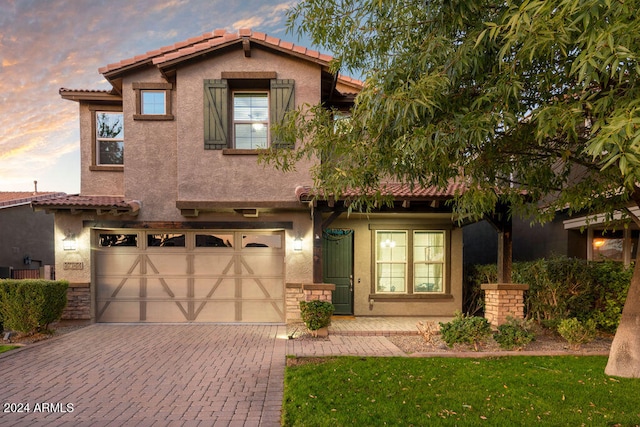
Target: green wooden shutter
(282, 100)
(216, 114)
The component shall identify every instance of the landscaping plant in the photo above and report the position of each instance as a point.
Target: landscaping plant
(515, 334)
(465, 329)
(577, 332)
(316, 314)
(29, 306)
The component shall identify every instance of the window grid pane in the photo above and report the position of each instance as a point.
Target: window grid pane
(428, 261)
(153, 102)
(391, 271)
(110, 138)
(251, 120)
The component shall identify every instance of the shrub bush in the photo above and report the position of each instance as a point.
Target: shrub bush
(316, 314)
(561, 288)
(515, 334)
(28, 306)
(465, 329)
(576, 332)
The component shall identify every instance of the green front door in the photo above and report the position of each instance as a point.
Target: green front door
(337, 251)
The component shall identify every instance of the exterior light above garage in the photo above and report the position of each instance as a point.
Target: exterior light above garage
(297, 244)
(69, 243)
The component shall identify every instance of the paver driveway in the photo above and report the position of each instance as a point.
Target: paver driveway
(141, 375)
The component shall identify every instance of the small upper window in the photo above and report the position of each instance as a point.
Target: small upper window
(109, 138)
(251, 120)
(153, 102)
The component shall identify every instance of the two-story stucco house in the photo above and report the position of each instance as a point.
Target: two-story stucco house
(177, 222)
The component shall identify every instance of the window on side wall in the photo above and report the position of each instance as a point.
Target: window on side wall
(410, 262)
(614, 245)
(240, 110)
(153, 101)
(109, 138)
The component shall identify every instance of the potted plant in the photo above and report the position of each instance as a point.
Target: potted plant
(316, 315)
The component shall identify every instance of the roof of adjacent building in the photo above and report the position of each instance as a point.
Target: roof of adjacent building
(17, 198)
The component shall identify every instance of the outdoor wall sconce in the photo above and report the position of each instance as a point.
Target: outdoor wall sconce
(69, 243)
(297, 244)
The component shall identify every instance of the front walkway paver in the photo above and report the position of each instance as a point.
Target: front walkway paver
(144, 375)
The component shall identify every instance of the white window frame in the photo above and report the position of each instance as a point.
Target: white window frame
(99, 139)
(266, 123)
(143, 92)
(410, 262)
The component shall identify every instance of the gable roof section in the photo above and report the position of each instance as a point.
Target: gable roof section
(9, 199)
(170, 56)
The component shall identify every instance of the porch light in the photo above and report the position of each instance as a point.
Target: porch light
(597, 243)
(69, 243)
(297, 244)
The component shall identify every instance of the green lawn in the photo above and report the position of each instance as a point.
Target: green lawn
(517, 390)
(4, 348)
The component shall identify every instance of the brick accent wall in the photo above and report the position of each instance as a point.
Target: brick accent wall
(503, 300)
(296, 292)
(78, 302)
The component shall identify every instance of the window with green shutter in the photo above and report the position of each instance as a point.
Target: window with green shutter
(239, 116)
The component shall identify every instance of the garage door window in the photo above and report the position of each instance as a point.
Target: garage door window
(166, 240)
(273, 241)
(114, 240)
(214, 240)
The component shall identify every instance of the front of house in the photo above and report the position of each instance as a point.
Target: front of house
(177, 222)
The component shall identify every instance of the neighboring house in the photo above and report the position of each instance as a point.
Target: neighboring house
(26, 237)
(575, 236)
(177, 222)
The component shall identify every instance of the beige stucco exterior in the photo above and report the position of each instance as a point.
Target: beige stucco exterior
(166, 165)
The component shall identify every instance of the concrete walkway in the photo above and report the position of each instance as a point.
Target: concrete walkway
(166, 375)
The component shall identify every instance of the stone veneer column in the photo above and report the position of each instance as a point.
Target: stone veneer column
(503, 300)
(297, 292)
(78, 302)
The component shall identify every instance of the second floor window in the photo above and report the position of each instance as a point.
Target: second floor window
(109, 138)
(250, 120)
(153, 102)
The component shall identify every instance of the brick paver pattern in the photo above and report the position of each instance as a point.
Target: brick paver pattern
(145, 375)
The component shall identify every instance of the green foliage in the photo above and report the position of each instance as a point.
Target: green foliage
(562, 287)
(28, 306)
(577, 332)
(473, 295)
(515, 334)
(465, 329)
(514, 96)
(316, 314)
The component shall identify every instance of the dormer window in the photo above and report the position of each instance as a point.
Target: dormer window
(153, 101)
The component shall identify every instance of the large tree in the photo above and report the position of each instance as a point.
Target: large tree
(532, 104)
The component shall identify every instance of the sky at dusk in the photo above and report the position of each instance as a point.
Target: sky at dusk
(49, 44)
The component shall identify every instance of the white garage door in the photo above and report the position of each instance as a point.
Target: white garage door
(189, 276)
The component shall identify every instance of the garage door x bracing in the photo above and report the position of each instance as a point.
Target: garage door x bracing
(189, 276)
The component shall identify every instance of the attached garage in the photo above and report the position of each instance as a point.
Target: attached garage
(189, 276)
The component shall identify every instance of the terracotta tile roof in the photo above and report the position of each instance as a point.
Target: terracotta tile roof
(102, 204)
(398, 191)
(16, 198)
(215, 40)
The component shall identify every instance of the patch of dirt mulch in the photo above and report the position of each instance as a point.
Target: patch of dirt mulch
(546, 342)
(55, 330)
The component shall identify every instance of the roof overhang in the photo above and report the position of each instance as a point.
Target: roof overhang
(101, 205)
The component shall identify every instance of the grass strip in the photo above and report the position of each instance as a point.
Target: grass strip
(523, 390)
(4, 348)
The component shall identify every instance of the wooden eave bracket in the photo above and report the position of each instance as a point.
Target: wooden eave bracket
(246, 47)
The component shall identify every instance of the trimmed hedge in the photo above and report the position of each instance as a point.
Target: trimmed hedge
(560, 288)
(28, 306)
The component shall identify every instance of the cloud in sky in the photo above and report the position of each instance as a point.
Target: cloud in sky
(61, 43)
